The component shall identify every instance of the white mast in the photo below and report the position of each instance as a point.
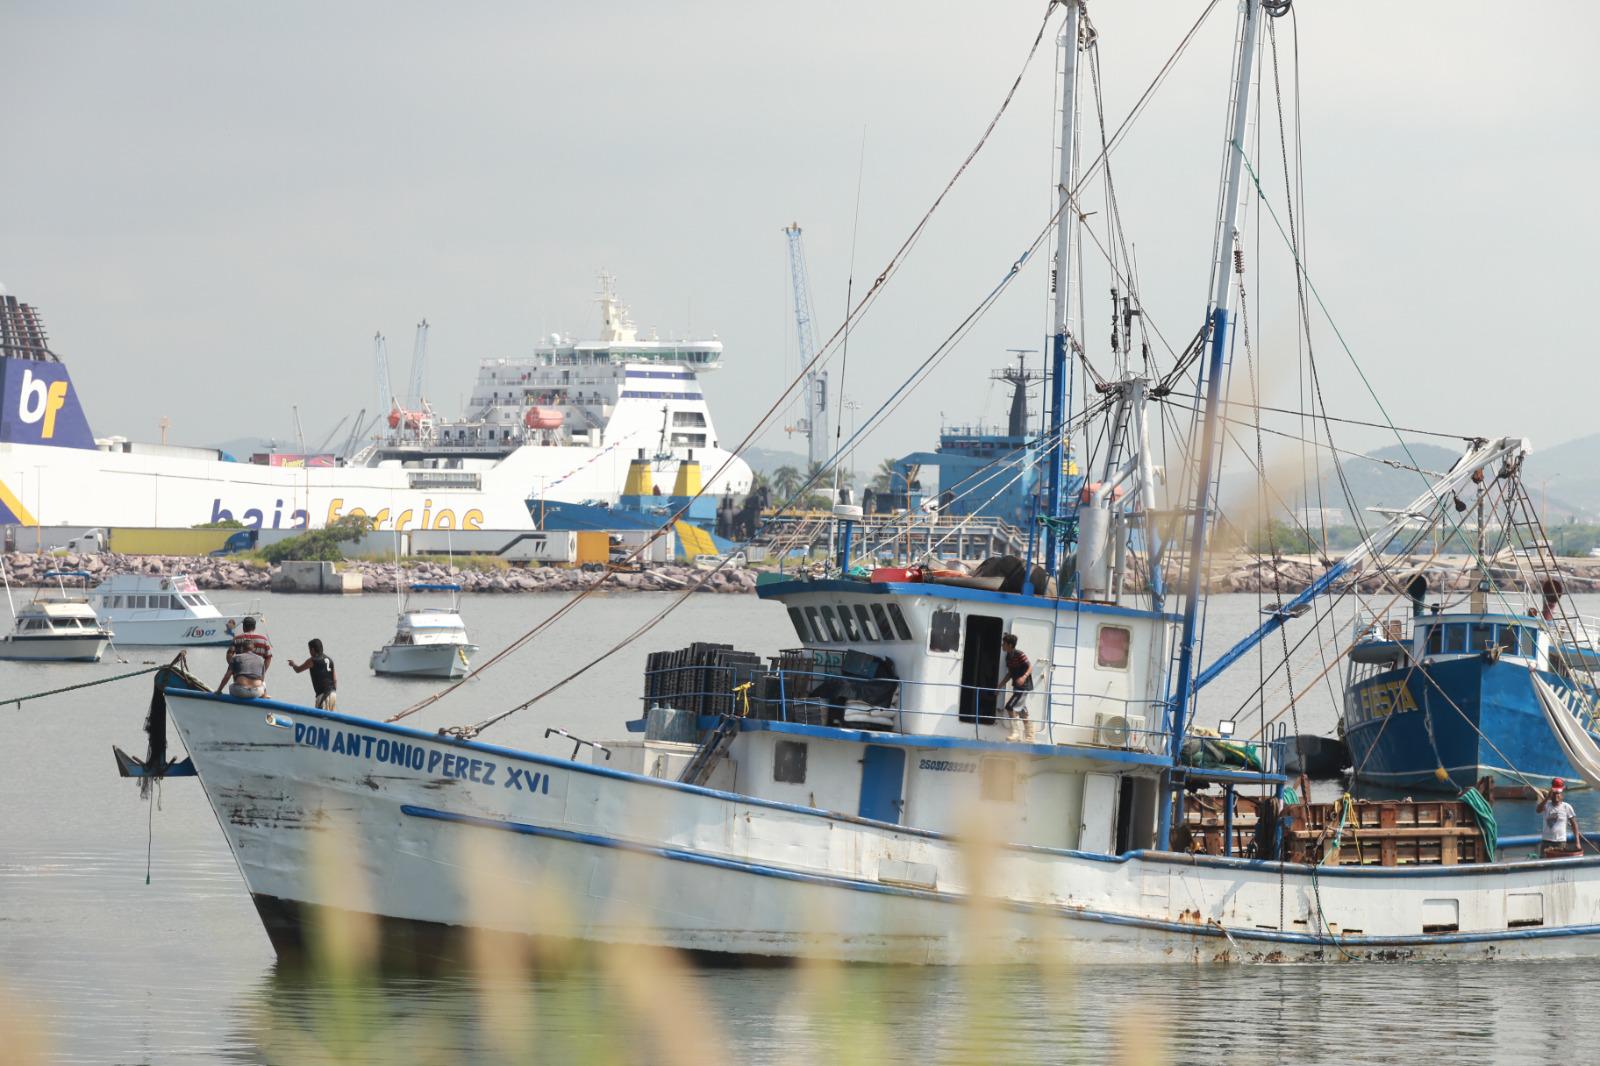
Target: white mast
(1060, 341)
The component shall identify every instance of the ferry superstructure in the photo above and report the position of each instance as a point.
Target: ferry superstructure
(561, 425)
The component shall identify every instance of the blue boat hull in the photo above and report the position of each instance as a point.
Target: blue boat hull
(1471, 716)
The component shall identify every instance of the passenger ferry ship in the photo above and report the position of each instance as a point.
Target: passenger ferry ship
(561, 425)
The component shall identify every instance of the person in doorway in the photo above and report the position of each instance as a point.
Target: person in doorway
(247, 672)
(324, 678)
(248, 640)
(1019, 674)
(1559, 819)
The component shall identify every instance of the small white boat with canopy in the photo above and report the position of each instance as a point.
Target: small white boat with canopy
(56, 626)
(428, 641)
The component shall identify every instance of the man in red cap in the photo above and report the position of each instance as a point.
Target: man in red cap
(1559, 817)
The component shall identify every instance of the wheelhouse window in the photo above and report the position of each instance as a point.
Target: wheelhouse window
(799, 622)
(815, 619)
(1113, 647)
(864, 616)
(848, 621)
(881, 616)
(945, 633)
(901, 630)
(1455, 639)
(1480, 636)
(789, 762)
(830, 620)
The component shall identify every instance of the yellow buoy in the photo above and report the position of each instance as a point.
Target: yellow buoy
(1441, 773)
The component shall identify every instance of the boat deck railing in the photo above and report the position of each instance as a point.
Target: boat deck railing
(836, 696)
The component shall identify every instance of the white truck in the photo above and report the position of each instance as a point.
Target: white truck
(512, 545)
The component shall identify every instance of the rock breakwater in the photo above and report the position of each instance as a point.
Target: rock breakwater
(28, 569)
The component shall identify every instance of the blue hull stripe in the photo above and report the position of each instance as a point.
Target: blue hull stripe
(1184, 928)
(1168, 858)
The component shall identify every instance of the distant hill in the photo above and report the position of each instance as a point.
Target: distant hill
(766, 460)
(1569, 474)
(1378, 484)
(1563, 481)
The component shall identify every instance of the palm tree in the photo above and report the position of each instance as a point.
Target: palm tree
(883, 480)
(785, 482)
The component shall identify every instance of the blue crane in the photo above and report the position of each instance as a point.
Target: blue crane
(815, 422)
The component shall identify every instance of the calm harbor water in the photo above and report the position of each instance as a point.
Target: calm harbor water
(102, 967)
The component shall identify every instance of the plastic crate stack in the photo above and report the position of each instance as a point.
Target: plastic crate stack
(702, 679)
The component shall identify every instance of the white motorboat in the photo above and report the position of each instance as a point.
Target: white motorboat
(428, 641)
(56, 627)
(160, 611)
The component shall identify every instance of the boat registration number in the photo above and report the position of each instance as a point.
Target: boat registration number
(1383, 698)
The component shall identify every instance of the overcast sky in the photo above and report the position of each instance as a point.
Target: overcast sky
(215, 205)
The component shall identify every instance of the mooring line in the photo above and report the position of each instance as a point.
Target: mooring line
(18, 701)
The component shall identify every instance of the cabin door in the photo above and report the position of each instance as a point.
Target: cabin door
(1098, 824)
(883, 775)
(980, 668)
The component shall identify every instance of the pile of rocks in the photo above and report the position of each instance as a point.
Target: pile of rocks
(28, 569)
(1291, 574)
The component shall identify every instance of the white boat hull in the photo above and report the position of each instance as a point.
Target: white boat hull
(54, 649)
(423, 660)
(446, 828)
(172, 632)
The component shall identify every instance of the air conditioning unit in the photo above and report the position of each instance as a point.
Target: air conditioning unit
(1120, 731)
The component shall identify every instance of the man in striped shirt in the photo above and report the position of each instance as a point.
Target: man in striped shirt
(1019, 672)
(250, 642)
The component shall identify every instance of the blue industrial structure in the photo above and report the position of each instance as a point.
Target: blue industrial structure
(985, 473)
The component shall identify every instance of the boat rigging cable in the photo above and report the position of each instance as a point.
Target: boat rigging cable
(889, 406)
(784, 398)
(849, 297)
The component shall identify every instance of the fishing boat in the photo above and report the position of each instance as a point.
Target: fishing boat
(869, 795)
(428, 641)
(56, 626)
(1439, 699)
(155, 611)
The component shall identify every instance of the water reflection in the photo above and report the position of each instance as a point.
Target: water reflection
(1356, 1013)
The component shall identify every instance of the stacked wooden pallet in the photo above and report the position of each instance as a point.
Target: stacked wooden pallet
(1345, 832)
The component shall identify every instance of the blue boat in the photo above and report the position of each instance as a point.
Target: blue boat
(1447, 699)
